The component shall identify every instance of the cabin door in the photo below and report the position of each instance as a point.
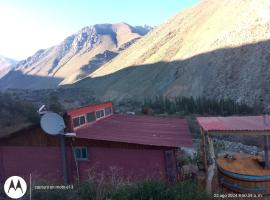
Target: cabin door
(170, 166)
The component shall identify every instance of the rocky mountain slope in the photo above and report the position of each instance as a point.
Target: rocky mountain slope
(74, 58)
(217, 48)
(6, 64)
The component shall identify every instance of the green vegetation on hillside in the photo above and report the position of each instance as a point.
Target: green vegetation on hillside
(15, 113)
(201, 106)
(54, 104)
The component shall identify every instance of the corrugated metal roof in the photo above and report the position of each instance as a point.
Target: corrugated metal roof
(235, 123)
(146, 130)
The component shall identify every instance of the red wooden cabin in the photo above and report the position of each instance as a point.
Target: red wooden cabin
(135, 147)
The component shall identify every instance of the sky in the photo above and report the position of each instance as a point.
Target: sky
(29, 25)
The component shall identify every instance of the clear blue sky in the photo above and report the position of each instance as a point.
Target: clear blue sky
(29, 25)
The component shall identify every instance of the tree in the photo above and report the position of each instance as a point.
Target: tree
(54, 104)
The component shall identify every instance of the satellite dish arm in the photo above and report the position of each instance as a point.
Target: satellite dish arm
(42, 110)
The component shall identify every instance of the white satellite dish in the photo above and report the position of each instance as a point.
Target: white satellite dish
(52, 123)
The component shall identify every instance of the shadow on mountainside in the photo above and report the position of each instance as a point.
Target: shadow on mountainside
(240, 73)
(16, 79)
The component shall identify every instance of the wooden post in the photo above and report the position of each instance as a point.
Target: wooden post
(203, 147)
(266, 151)
(211, 168)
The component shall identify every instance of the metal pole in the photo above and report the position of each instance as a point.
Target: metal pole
(63, 156)
(76, 163)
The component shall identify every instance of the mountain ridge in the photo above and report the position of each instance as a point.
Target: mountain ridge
(6, 64)
(63, 62)
(217, 48)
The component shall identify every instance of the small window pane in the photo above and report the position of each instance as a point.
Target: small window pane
(108, 111)
(102, 113)
(76, 122)
(81, 153)
(82, 120)
(78, 153)
(98, 114)
(91, 117)
(84, 153)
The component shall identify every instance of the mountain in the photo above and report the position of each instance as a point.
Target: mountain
(74, 58)
(6, 64)
(216, 49)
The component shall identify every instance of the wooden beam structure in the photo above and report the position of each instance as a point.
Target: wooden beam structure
(251, 133)
(266, 151)
(234, 126)
(203, 150)
(211, 167)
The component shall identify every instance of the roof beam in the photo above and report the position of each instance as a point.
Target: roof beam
(255, 133)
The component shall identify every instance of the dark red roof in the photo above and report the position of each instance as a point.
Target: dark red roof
(246, 123)
(146, 130)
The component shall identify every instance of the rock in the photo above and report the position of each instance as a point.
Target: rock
(235, 147)
(188, 152)
(189, 171)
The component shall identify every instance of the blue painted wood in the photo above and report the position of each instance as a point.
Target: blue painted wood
(244, 177)
(234, 186)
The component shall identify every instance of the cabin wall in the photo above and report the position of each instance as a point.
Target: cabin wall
(129, 164)
(39, 161)
(130, 161)
(83, 110)
(34, 136)
(44, 163)
(39, 154)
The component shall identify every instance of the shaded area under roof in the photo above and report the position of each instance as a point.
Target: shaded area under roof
(235, 123)
(145, 130)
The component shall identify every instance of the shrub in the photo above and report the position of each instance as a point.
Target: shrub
(148, 190)
(88, 191)
(52, 195)
(188, 191)
(151, 190)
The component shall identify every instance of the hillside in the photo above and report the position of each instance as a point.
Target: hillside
(74, 58)
(217, 48)
(6, 64)
(15, 114)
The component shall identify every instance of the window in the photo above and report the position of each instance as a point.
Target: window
(81, 153)
(78, 121)
(108, 111)
(90, 116)
(82, 120)
(100, 113)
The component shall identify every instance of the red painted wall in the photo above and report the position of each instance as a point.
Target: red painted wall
(44, 163)
(90, 108)
(41, 162)
(32, 151)
(82, 111)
